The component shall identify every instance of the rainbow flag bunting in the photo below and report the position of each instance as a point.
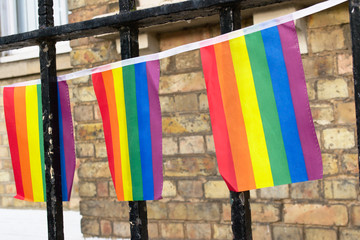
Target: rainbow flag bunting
(23, 116)
(261, 120)
(128, 98)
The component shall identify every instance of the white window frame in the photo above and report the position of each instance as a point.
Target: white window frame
(9, 24)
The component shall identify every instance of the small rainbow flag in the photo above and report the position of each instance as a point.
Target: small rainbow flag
(128, 98)
(23, 116)
(260, 114)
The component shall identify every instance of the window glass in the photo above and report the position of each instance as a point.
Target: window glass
(17, 16)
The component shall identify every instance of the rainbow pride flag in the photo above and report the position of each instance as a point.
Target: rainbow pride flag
(128, 98)
(23, 116)
(259, 108)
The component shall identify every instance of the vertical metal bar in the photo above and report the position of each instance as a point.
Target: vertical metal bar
(354, 11)
(241, 215)
(50, 125)
(230, 20)
(129, 49)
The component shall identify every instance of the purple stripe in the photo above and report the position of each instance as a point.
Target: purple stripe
(294, 67)
(153, 76)
(69, 145)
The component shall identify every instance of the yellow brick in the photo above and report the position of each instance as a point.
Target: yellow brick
(261, 232)
(305, 190)
(186, 167)
(186, 103)
(330, 164)
(315, 214)
(320, 234)
(345, 113)
(157, 210)
(122, 229)
(90, 226)
(186, 82)
(89, 131)
(216, 189)
(193, 123)
(169, 146)
(94, 170)
(349, 163)
(334, 16)
(329, 89)
(169, 189)
(340, 189)
(327, 40)
(222, 231)
(277, 192)
(172, 230)
(315, 67)
(322, 115)
(190, 189)
(167, 104)
(87, 189)
(285, 232)
(265, 212)
(345, 63)
(203, 102)
(338, 138)
(198, 231)
(188, 60)
(349, 234)
(191, 144)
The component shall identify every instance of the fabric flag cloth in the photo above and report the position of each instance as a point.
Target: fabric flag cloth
(129, 103)
(262, 125)
(24, 123)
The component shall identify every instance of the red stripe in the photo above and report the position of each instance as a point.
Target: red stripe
(99, 89)
(218, 120)
(22, 138)
(111, 100)
(9, 110)
(234, 118)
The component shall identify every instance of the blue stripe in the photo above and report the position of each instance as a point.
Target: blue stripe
(62, 153)
(284, 104)
(142, 99)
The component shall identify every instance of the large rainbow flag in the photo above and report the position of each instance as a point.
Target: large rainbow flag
(23, 116)
(130, 108)
(261, 120)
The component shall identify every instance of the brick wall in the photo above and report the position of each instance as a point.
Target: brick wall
(196, 201)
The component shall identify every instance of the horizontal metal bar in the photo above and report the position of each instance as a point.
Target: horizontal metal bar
(141, 18)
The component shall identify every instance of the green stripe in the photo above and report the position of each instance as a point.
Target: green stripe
(268, 109)
(41, 137)
(133, 131)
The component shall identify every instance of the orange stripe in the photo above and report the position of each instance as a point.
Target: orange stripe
(234, 118)
(21, 132)
(110, 95)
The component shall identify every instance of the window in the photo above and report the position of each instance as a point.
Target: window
(17, 16)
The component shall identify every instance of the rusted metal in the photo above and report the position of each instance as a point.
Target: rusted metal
(50, 126)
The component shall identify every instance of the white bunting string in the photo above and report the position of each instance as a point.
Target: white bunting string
(196, 45)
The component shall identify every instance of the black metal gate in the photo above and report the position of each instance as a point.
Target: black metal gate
(127, 22)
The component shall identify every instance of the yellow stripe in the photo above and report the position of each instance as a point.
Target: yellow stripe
(121, 112)
(254, 128)
(34, 143)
